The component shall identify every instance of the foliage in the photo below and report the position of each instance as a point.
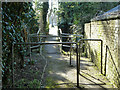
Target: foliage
(18, 20)
(73, 15)
(24, 83)
(78, 13)
(51, 83)
(42, 8)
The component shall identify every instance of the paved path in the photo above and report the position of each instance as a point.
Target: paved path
(53, 30)
(64, 76)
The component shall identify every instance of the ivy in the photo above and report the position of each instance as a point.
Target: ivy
(16, 17)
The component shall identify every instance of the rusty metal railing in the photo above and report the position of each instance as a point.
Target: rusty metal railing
(62, 35)
(78, 56)
(32, 43)
(77, 46)
(70, 36)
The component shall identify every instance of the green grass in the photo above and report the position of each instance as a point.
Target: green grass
(24, 83)
(50, 83)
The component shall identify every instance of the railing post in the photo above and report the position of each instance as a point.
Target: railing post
(76, 39)
(70, 53)
(79, 57)
(77, 65)
(105, 61)
(40, 46)
(101, 55)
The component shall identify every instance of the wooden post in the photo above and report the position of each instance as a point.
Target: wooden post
(41, 46)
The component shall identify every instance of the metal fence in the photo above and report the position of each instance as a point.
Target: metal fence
(37, 43)
(79, 55)
(77, 45)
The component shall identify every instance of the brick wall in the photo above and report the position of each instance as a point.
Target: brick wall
(109, 32)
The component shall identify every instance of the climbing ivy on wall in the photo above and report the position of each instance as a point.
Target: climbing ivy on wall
(17, 22)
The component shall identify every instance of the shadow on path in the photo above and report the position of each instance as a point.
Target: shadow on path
(59, 74)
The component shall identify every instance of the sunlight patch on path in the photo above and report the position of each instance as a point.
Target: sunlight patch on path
(66, 76)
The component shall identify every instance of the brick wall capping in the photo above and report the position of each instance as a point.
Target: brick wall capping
(111, 14)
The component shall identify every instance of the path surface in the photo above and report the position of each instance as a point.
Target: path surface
(59, 74)
(58, 65)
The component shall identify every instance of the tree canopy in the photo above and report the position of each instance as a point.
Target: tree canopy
(78, 13)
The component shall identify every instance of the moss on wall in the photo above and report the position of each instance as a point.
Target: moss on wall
(105, 30)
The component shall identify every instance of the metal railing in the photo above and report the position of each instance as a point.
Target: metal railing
(70, 37)
(65, 35)
(70, 44)
(79, 53)
(32, 43)
(72, 34)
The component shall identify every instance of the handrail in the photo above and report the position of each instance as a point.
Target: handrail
(72, 34)
(78, 58)
(47, 36)
(42, 43)
(33, 43)
(89, 40)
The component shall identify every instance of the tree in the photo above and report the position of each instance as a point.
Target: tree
(41, 9)
(78, 13)
(18, 20)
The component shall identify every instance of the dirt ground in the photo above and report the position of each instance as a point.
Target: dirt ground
(30, 75)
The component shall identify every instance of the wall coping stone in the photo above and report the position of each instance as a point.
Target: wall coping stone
(111, 14)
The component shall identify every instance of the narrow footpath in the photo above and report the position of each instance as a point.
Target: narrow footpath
(59, 74)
